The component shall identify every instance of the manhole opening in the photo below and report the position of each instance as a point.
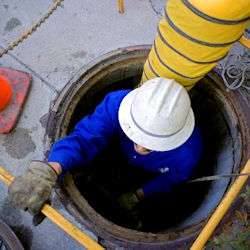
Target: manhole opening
(109, 175)
(89, 192)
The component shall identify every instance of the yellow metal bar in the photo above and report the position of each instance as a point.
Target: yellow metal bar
(58, 219)
(221, 209)
(120, 3)
(245, 42)
(5, 176)
(70, 228)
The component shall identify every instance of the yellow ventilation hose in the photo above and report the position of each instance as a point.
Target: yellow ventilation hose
(192, 36)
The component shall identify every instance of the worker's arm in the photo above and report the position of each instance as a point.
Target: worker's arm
(161, 184)
(91, 135)
(180, 162)
(57, 167)
(139, 193)
(164, 182)
(33, 188)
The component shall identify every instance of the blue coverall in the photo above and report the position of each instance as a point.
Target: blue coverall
(93, 132)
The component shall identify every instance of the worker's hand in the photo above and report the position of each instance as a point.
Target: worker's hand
(128, 201)
(33, 188)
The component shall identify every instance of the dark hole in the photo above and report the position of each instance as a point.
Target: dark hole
(109, 175)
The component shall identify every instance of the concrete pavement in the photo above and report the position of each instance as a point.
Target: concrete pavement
(78, 32)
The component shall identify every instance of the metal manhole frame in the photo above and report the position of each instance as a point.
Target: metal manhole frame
(68, 192)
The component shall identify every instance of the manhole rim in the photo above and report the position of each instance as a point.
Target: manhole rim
(69, 203)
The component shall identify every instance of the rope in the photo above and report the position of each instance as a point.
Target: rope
(32, 29)
(235, 72)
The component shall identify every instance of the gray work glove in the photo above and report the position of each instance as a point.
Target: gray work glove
(33, 188)
(128, 201)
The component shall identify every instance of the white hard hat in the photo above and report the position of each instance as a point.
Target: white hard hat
(157, 115)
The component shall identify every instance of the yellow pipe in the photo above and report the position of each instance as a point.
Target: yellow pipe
(58, 219)
(245, 42)
(192, 36)
(221, 209)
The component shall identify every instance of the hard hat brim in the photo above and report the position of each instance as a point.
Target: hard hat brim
(147, 140)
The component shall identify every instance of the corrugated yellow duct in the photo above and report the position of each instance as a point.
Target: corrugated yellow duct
(192, 36)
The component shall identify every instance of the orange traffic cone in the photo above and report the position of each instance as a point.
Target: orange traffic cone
(5, 93)
(14, 87)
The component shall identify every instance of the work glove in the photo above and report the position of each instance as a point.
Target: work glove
(33, 188)
(128, 201)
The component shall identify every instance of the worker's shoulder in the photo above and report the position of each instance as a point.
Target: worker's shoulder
(196, 135)
(194, 141)
(119, 93)
(193, 146)
(117, 96)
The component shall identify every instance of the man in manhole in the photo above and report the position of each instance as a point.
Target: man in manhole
(156, 129)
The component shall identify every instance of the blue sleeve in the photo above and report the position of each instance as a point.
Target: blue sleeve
(91, 135)
(163, 183)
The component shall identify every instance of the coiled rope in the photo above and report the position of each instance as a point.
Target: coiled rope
(234, 74)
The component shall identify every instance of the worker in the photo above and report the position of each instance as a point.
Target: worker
(156, 129)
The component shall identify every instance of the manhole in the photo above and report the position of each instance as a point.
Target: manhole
(176, 221)
(8, 240)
